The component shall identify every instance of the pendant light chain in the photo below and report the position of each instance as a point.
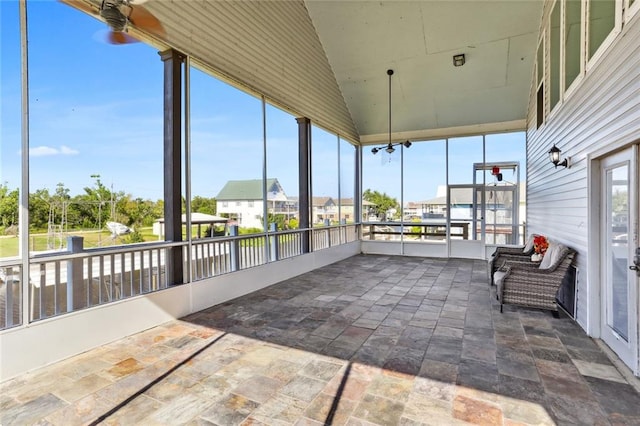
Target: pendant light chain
(389, 73)
(389, 147)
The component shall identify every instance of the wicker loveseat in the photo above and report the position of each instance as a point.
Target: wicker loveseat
(531, 284)
(504, 254)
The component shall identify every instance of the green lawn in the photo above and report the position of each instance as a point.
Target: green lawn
(92, 239)
(38, 241)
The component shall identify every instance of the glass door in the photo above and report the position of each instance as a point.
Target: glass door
(619, 293)
(465, 220)
(501, 215)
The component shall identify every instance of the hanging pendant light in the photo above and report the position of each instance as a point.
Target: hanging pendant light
(389, 148)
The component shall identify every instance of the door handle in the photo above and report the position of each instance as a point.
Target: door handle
(636, 261)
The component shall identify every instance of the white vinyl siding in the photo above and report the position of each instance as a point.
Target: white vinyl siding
(603, 113)
(269, 46)
(632, 7)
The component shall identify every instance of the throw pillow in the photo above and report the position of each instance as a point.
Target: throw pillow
(529, 245)
(550, 256)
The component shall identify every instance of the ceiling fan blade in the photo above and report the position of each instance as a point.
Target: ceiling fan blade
(80, 5)
(120, 38)
(144, 20)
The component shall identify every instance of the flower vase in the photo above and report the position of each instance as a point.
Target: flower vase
(536, 257)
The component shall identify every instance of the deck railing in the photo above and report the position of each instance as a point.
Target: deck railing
(10, 294)
(437, 231)
(414, 230)
(64, 282)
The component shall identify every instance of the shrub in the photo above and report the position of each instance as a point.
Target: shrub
(134, 237)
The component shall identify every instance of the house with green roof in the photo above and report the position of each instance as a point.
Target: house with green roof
(242, 200)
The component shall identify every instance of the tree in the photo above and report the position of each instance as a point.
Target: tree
(203, 205)
(93, 207)
(8, 206)
(382, 203)
(620, 201)
(39, 206)
(138, 212)
(279, 219)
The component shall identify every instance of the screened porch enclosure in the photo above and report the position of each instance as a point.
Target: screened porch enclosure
(284, 102)
(164, 141)
(287, 185)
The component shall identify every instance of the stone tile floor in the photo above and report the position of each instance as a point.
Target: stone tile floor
(371, 340)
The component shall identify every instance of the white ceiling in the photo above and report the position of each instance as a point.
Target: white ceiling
(275, 49)
(417, 39)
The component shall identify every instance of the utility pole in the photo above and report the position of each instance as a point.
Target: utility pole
(113, 205)
(97, 178)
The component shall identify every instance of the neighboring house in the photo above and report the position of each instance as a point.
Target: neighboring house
(243, 201)
(498, 215)
(462, 201)
(347, 209)
(412, 210)
(324, 208)
(327, 208)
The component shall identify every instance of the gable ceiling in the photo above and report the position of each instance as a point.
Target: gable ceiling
(328, 60)
(417, 39)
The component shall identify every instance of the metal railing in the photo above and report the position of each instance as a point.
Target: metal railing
(414, 230)
(437, 231)
(62, 283)
(325, 237)
(287, 244)
(79, 278)
(10, 294)
(222, 255)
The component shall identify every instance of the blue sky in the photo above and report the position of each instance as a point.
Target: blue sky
(96, 108)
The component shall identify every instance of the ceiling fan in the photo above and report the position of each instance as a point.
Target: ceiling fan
(119, 15)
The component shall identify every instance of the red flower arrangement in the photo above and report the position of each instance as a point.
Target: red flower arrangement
(540, 244)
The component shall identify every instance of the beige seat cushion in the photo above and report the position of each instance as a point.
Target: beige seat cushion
(529, 245)
(552, 255)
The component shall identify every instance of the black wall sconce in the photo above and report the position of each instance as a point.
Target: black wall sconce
(390, 147)
(554, 156)
(458, 60)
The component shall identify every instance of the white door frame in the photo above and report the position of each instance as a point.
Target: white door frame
(595, 245)
(471, 248)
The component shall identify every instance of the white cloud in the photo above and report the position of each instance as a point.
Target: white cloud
(43, 151)
(65, 150)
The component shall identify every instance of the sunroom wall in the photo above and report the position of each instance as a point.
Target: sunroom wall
(600, 114)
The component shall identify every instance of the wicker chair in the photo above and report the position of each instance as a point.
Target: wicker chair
(504, 254)
(526, 284)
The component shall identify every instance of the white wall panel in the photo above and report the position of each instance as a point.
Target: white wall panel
(602, 114)
(423, 249)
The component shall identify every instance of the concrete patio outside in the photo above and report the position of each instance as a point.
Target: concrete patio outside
(373, 339)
